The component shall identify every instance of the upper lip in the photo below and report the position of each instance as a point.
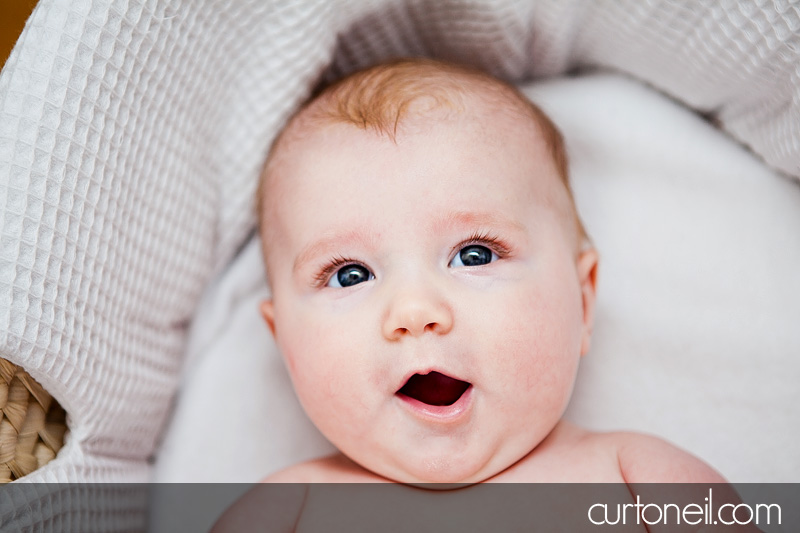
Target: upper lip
(427, 371)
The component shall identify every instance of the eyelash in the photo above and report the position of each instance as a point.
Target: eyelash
(337, 262)
(488, 240)
(492, 242)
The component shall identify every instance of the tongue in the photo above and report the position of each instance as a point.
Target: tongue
(434, 388)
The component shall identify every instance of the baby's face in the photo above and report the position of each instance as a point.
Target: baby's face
(428, 295)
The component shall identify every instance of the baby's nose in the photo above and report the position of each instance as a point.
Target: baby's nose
(415, 312)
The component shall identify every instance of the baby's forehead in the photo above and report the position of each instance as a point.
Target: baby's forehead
(392, 105)
(328, 154)
(487, 113)
(490, 114)
(489, 122)
(408, 94)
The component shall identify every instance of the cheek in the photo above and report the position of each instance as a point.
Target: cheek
(322, 356)
(536, 334)
(310, 351)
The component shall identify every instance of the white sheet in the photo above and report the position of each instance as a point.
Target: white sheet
(696, 337)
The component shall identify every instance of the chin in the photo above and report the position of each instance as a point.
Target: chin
(442, 473)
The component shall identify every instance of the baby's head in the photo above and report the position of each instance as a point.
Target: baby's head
(432, 286)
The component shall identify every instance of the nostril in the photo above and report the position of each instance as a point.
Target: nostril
(431, 327)
(415, 315)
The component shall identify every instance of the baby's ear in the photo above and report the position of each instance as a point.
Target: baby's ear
(268, 312)
(587, 276)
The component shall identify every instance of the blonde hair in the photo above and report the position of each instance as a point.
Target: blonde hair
(380, 97)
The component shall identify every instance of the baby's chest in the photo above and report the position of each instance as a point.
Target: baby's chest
(483, 507)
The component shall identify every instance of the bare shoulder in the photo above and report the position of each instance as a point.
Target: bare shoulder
(659, 472)
(648, 459)
(573, 454)
(278, 501)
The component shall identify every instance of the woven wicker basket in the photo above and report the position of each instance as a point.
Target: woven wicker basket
(32, 424)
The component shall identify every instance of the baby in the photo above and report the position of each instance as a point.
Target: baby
(433, 288)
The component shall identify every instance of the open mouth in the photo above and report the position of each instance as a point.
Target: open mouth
(434, 388)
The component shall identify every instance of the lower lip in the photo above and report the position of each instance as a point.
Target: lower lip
(443, 414)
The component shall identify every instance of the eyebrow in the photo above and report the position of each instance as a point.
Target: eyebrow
(328, 244)
(460, 219)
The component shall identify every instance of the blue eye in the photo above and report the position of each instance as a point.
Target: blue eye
(473, 255)
(350, 275)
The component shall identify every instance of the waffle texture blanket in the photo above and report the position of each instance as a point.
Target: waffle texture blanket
(132, 132)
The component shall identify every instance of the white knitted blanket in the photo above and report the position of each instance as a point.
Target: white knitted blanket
(132, 132)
